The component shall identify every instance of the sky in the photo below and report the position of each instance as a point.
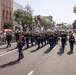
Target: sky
(61, 10)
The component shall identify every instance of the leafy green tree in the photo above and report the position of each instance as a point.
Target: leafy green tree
(36, 20)
(74, 10)
(46, 24)
(23, 17)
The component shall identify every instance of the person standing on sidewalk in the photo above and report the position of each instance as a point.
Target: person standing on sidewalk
(71, 42)
(8, 39)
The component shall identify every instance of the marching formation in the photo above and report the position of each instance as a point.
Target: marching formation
(40, 39)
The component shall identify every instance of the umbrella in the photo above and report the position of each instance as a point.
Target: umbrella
(10, 30)
(1, 32)
(7, 30)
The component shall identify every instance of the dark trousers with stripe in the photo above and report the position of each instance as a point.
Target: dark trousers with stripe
(20, 52)
(63, 45)
(71, 46)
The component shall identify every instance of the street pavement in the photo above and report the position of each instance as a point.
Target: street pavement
(38, 62)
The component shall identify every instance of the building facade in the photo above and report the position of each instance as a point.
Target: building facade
(16, 6)
(0, 14)
(6, 13)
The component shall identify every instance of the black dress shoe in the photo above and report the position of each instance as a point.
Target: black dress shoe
(22, 57)
(18, 60)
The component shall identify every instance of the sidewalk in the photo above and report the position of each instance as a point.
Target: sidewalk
(3, 48)
(6, 44)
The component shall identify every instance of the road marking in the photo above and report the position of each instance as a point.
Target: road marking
(54, 47)
(2, 52)
(31, 73)
(8, 52)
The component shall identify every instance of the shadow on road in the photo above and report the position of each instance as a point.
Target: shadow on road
(9, 64)
(28, 48)
(60, 51)
(35, 50)
(11, 49)
(48, 50)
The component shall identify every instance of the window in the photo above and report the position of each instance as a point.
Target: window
(10, 14)
(3, 13)
(7, 14)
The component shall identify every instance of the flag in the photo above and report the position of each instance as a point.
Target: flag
(39, 21)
